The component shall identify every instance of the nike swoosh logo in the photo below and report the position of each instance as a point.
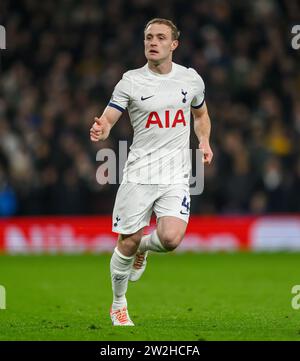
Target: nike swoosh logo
(142, 98)
(184, 213)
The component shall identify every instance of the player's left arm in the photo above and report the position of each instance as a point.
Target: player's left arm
(202, 128)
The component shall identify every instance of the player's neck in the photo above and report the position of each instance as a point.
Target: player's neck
(162, 68)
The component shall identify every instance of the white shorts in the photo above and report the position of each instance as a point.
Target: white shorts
(135, 203)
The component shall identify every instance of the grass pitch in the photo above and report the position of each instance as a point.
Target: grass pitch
(239, 296)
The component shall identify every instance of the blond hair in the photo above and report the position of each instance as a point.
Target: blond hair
(175, 32)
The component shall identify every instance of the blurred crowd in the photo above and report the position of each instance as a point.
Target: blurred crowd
(64, 58)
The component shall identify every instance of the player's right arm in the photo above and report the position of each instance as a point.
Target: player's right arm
(101, 128)
(118, 103)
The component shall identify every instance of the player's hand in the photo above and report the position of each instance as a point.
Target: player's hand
(207, 152)
(99, 130)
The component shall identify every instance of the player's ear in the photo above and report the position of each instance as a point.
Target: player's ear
(174, 45)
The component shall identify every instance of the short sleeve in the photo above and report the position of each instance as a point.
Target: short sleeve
(121, 94)
(199, 88)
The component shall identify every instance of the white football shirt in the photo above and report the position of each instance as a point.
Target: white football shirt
(159, 107)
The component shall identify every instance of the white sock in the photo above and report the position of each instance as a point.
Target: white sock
(151, 242)
(120, 267)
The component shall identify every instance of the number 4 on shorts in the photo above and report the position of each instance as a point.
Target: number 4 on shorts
(186, 205)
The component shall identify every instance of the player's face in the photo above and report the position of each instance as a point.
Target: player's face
(158, 43)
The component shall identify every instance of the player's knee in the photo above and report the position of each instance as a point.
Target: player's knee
(132, 240)
(170, 240)
(136, 238)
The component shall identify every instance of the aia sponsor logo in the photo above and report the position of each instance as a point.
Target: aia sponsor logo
(166, 122)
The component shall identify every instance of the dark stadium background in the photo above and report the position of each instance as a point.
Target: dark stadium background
(62, 61)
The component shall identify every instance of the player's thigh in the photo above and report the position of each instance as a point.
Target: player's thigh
(173, 201)
(133, 207)
(172, 209)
